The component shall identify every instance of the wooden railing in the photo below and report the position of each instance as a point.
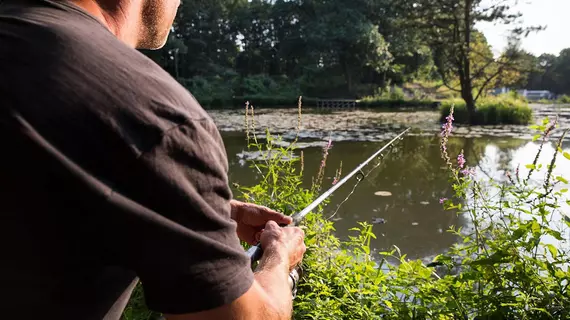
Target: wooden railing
(336, 104)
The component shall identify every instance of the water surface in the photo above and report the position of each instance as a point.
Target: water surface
(413, 173)
(411, 179)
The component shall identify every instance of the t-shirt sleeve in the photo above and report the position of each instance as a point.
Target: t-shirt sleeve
(174, 229)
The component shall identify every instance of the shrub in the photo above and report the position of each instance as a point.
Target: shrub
(218, 92)
(397, 93)
(506, 265)
(382, 102)
(210, 92)
(264, 101)
(490, 111)
(514, 95)
(563, 99)
(502, 267)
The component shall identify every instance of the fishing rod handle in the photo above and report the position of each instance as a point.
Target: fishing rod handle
(255, 253)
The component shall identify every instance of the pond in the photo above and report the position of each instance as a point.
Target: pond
(401, 196)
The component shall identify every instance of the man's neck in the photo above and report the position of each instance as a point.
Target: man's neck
(114, 18)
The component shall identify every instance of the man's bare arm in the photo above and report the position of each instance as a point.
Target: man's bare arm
(269, 298)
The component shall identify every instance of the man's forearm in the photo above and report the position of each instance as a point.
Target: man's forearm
(273, 276)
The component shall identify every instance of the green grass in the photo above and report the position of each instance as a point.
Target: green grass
(490, 111)
(379, 102)
(262, 101)
(564, 99)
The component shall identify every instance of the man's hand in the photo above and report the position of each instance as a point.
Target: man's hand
(287, 242)
(251, 220)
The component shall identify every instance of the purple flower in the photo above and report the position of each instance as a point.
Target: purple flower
(461, 160)
(551, 127)
(442, 200)
(468, 171)
(447, 126)
(446, 129)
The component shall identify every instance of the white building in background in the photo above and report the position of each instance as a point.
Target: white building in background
(529, 94)
(537, 94)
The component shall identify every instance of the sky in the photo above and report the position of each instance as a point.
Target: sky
(554, 14)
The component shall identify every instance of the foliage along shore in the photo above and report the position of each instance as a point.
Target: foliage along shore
(511, 262)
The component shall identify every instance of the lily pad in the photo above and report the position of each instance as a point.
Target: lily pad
(383, 193)
(378, 221)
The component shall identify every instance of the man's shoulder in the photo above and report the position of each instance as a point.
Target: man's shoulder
(64, 46)
(72, 78)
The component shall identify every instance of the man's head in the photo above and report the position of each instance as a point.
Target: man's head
(144, 24)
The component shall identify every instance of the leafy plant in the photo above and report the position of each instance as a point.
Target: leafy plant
(511, 261)
(490, 111)
(564, 99)
(501, 269)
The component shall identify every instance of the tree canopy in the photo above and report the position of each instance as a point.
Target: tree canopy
(350, 48)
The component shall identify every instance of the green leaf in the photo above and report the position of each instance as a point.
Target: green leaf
(563, 190)
(561, 179)
(517, 234)
(556, 234)
(566, 155)
(530, 166)
(553, 250)
(535, 227)
(536, 137)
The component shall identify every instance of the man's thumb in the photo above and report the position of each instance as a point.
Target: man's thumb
(271, 225)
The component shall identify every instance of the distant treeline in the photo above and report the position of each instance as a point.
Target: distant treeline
(226, 50)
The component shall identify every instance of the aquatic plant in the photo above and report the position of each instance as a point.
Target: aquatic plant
(490, 111)
(511, 260)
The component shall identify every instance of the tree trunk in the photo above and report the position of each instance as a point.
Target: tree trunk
(466, 85)
(347, 75)
(467, 95)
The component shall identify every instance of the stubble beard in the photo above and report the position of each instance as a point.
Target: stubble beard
(156, 22)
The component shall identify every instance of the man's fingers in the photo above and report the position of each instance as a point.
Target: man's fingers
(282, 219)
(276, 216)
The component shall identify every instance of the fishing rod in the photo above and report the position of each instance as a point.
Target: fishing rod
(255, 252)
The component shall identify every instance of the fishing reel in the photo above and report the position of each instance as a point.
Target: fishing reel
(255, 253)
(294, 277)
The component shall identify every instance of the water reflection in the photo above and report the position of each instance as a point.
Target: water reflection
(414, 174)
(496, 162)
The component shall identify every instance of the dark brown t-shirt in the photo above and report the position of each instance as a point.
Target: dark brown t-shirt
(109, 171)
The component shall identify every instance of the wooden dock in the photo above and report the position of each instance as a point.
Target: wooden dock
(340, 104)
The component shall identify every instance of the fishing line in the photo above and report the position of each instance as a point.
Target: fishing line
(359, 179)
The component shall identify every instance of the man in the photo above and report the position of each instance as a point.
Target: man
(111, 172)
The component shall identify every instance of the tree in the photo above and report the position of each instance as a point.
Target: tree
(515, 66)
(412, 56)
(340, 38)
(561, 72)
(462, 55)
(551, 73)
